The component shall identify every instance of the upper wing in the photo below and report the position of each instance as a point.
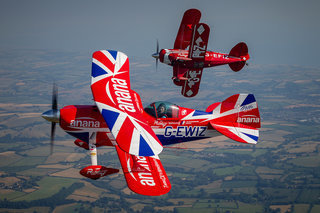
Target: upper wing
(191, 86)
(144, 175)
(190, 18)
(199, 43)
(120, 106)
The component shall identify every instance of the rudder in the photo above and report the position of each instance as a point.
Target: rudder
(239, 51)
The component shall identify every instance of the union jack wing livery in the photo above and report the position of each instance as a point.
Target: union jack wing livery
(120, 106)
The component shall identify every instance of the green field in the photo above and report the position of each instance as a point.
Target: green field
(67, 208)
(227, 170)
(315, 209)
(238, 184)
(258, 152)
(222, 206)
(282, 169)
(36, 171)
(29, 210)
(48, 186)
(11, 195)
(309, 196)
(312, 161)
(215, 204)
(301, 208)
(282, 195)
(245, 208)
(246, 190)
(9, 159)
(29, 161)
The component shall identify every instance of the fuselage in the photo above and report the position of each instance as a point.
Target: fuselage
(175, 57)
(180, 125)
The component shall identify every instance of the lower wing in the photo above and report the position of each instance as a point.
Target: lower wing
(191, 86)
(144, 175)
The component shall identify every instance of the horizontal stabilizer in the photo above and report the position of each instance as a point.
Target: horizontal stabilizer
(237, 66)
(244, 134)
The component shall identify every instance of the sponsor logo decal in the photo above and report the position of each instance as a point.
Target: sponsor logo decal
(145, 177)
(248, 119)
(85, 123)
(121, 90)
(96, 171)
(248, 107)
(161, 174)
(159, 123)
(184, 112)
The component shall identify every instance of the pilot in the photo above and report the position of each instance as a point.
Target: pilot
(162, 111)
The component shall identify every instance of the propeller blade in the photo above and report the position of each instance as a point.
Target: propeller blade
(55, 110)
(54, 97)
(53, 130)
(156, 55)
(157, 64)
(157, 46)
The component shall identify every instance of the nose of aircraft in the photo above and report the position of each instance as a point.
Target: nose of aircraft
(155, 55)
(52, 115)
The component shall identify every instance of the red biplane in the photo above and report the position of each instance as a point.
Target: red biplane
(189, 55)
(138, 134)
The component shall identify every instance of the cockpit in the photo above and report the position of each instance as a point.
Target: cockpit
(162, 109)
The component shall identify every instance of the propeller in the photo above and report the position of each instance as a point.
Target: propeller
(53, 115)
(156, 55)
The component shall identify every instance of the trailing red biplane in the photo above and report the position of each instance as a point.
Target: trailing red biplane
(189, 55)
(138, 134)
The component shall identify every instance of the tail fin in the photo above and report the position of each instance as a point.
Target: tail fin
(239, 51)
(237, 117)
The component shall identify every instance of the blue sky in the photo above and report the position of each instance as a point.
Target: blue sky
(277, 32)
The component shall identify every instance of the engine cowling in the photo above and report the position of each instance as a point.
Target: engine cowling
(82, 120)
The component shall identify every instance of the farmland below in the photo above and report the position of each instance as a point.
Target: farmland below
(279, 174)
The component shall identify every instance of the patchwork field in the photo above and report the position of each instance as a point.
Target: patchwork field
(279, 174)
